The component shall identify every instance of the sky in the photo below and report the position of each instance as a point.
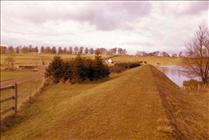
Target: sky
(135, 26)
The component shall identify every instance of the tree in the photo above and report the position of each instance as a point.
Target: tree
(113, 51)
(91, 51)
(36, 49)
(10, 62)
(81, 50)
(67, 71)
(86, 51)
(54, 50)
(79, 72)
(11, 50)
(70, 50)
(3, 49)
(197, 61)
(60, 51)
(47, 50)
(124, 52)
(30, 48)
(120, 51)
(65, 50)
(55, 69)
(17, 50)
(76, 50)
(25, 49)
(100, 70)
(42, 49)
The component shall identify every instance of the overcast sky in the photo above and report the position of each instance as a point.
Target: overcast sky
(143, 26)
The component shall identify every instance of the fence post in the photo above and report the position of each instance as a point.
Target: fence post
(15, 98)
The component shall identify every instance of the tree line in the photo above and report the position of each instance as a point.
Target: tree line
(77, 70)
(60, 50)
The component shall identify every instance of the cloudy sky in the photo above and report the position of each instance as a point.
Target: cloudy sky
(143, 26)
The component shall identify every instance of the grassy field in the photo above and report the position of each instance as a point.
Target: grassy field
(25, 90)
(29, 59)
(36, 59)
(9, 75)
(33, 59)
(141, 103)
(153, 60)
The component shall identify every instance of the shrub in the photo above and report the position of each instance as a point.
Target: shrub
(77, 70)
(192, 84)
(67, 69)
(98, 69)
(119, 67)
(55, 69)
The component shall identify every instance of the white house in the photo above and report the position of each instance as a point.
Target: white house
(109, 61)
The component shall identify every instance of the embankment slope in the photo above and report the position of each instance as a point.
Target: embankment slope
(141, 104)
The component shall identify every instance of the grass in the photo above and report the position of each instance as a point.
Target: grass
(128, 106)
(25, 91)
(153, 60)
(36, 59)
(10, 75)
(195, 115)
(30, 59)
(33, 59)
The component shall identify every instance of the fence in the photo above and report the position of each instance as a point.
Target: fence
(9, 98)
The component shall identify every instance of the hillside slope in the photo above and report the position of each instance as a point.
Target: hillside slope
(141, 104)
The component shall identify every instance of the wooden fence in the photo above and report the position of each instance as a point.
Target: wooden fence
(9, 98)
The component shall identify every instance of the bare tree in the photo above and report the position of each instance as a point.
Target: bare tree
(197, 60)
(10, 62)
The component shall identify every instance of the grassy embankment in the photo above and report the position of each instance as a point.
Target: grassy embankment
(141, 103)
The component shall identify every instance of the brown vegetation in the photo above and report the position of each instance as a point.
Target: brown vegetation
(140, 104)
(197, 62)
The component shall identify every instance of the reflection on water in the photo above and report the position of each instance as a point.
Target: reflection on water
(176, 74)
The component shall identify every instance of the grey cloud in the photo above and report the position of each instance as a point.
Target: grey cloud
(112, 15)
(102, 15)
(138, 43)
(196, 7)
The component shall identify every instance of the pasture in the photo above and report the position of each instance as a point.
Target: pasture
(153, 60)
(37, 59)
(10, 75)
(130, 105)
(25, 91)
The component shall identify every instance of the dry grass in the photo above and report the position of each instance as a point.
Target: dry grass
(9, 75)
(130, 106)
(26, 90)
(36, 59)
(153, 60)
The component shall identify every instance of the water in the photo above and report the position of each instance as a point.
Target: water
(176, 74)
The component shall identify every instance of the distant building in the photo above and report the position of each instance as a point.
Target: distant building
(108, 61)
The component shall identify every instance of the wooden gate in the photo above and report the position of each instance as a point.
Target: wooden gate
(13, 97)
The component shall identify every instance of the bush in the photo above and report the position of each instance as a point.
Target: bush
(67, 69)
(55, 69)
(98, 69)
(120, 67)
(77, 70)
(192, 84)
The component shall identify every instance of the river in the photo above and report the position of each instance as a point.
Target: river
(176, 74)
